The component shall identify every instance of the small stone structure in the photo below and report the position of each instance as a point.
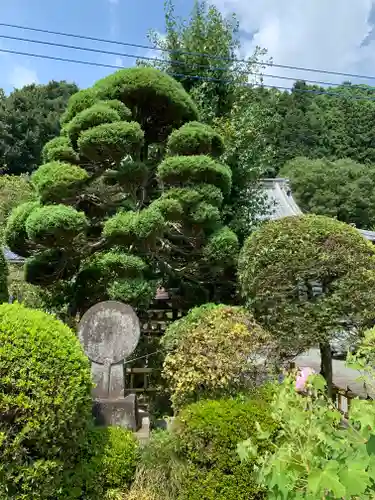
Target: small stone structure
(109, 333)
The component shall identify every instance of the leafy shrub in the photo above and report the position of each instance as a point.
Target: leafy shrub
(45, 401)
(15, 232)
(317, 457)
(182, 170)
(57, 181)
(218, 355)
(111, 141)
(195, 138)
(59, 149)
(91, 117)
(55, 224)
(108, 462)
(78, 102)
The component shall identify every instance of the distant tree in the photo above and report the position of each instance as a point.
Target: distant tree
(29, 117)
(342, 189)
(202, 52)
(133, 204)
(306, 279)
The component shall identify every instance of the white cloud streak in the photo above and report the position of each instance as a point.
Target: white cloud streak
(19, 76)
(320, 34)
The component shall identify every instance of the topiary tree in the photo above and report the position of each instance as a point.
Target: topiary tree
(307, 278)
(45, 402)
(129, 197)
(214, 351)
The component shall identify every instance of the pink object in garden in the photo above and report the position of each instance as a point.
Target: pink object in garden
(302, 377)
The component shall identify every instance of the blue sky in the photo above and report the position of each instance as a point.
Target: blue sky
(124, 20)
(335, 35)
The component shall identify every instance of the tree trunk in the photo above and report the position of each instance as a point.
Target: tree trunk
(326, 366)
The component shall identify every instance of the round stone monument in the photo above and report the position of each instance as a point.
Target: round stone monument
(109, 333)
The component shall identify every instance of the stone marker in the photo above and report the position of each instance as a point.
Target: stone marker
(109, 333)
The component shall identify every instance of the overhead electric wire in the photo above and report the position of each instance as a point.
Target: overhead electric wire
(191, 77)
(177, 63)
(180, 51)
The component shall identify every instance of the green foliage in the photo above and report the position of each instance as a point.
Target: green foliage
(156, 100)
(55, 225)
(131, 175)
(30, 118)
(42, 268)
(205, 31)
(317, 457)
(59, 149)
(214, 354)
(195, 138)
(221, 247)
(111, 142)
(137, 292)
(78, 102)
(97, 114)
(284, 263)
(4, 296)
(188, 170)
(342, 189)
(45, 401)
(14, 191)
(123, 111)
(127, 226)
(57, 181)
(15, 232)
(107, 462)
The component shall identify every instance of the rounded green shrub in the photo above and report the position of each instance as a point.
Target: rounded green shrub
(216, 354)
(111, 141)
(123, 111)
(188, 170)
(120, 227)
(15, 232)
(195, 138)
(59, 149)
(222, 247)
(156, 100)
(55, 225)
(45, 401)
(57, 181)
(108, 462)
(78, 102)
(280, 266)
(122, 264)
(137, 292)
(97, 114)
(189, 197)
(205, 215)
(170, 208)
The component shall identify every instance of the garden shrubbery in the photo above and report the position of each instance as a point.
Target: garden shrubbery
(45, 401)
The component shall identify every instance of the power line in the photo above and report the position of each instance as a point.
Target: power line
(177, 63)
(182, 52)
(191, 77)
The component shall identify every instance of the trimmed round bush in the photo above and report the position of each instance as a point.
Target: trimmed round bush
(45, 401)
(222, 247)
(219, 353)
(143, 226)
(59, 149)
(55, 225)
(137, 292)
(170, 208)
(195, 138)
(15, 232)
(205, 215)
(57, 181)
(91, 117)
(78, 102)
(156, 100)
(187, 170)
(189, 197)
(281, 265)
(123, 111)
(122, 264)
(108, 462)
(111, 141)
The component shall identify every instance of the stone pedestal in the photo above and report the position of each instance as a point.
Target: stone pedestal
(119, 412)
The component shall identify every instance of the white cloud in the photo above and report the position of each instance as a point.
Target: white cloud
(113, 2)
(323, 34)
(19, 76)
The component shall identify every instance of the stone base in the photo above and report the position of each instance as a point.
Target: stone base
(120, 412)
